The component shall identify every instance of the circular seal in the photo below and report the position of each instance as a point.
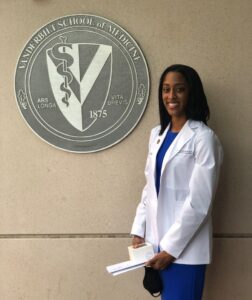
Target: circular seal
(82, 83)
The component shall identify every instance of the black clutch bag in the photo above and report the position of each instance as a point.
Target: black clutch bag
(152, 281)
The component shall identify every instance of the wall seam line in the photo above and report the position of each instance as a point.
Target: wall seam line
(102, 235)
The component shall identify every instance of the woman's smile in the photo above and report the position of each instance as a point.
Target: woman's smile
(172, 104)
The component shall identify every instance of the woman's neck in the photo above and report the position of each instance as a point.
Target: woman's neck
(177, 124)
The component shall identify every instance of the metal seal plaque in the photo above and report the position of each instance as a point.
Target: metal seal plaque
(82, 83)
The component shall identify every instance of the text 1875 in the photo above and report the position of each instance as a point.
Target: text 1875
(100, 113)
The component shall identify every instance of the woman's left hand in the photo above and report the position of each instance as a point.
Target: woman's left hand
(160, 261)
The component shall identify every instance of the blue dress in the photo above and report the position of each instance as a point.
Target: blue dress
(180, 282)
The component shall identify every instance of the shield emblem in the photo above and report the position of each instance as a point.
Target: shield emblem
(80, 78)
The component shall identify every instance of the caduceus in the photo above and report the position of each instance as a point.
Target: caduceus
(66, 60)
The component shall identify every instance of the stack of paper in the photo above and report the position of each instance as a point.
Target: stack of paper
(142, 253)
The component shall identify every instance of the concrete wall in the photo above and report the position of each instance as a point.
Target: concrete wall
(65, 216)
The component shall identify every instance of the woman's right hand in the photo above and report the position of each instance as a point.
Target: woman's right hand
(137, 240)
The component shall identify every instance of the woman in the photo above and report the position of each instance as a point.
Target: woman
(181, 172)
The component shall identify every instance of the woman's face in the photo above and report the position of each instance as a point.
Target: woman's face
(175, 94)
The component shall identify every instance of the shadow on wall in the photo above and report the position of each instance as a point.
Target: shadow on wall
(233, 178)
(229, 277)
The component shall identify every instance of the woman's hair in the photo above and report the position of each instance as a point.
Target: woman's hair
(197, 108)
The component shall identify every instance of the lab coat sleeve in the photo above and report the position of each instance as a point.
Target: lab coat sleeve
(202, 187)
(138, 227)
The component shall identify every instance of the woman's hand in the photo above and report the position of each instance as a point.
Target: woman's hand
(160, 261)
(137, 240)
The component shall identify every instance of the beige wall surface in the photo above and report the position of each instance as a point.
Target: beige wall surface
(65, 216)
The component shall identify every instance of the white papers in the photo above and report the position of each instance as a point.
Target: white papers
(124, 267)
(138, 257)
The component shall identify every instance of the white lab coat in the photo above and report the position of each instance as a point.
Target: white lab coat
(179, 220)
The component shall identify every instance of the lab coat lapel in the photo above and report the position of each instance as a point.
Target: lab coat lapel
(156, 146)
(182, 138)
